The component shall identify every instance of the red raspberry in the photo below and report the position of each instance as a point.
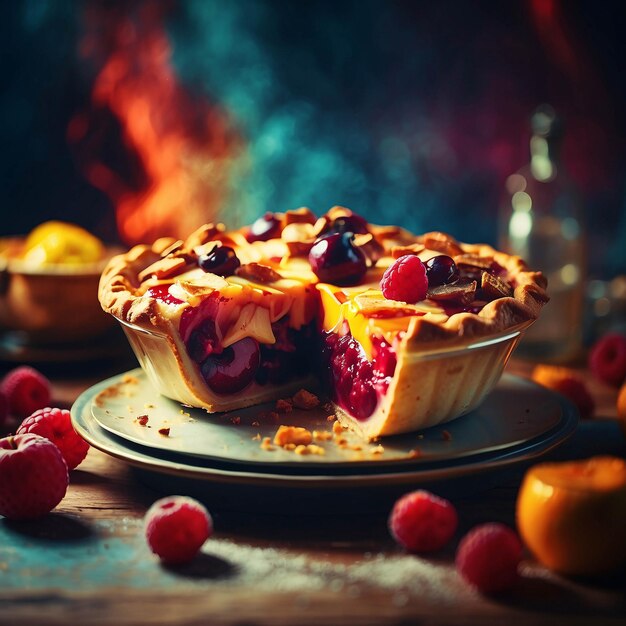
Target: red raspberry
(4, 409)
(56, 425)
(26, 390)
(488, 557)
(575, 390)
(405, 280)
(33, 476)
(607, 359)
(422, 522)
(177, 527)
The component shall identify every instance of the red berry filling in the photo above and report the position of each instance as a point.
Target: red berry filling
(289, 357)
(231, 369)
(161, 292)
(355, 381)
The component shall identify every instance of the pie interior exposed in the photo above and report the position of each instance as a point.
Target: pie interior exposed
(227, 319)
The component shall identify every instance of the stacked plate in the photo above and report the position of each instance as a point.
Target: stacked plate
(232, 457)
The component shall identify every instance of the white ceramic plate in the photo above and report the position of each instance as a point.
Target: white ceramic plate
(518, 421)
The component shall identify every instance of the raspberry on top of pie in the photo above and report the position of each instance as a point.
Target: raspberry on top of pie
(227, 319)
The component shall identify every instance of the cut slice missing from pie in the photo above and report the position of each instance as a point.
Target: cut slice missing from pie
(229, 319)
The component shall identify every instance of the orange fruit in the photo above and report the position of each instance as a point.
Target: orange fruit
(572, 515)
(621, 407)
(568, 383)
(61, 242)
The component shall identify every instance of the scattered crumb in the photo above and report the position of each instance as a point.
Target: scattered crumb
(342, 442)
(164, 431)
(127, 379)
(377, 450)
(331, 418)
(257, 437)
(338, 428)
(182, 412)
(446, 435)
(235, 420)
(305, 400)
(357, 447)
(142, 420)
(266, 444)
(284, 406)
(292, 434)
(150, 406)
(255, 424)
(322, 435)
(414, 454)
(309, 449)
(110, 392)
(290, 446)
(329, 408)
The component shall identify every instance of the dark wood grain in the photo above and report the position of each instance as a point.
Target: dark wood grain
(87, 562)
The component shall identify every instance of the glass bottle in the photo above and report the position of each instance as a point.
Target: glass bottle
(541, 221)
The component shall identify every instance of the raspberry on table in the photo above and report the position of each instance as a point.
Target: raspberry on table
(33, 476)
(26, 390)
(405, 280)
(176, 527)
(4, 409)
(607, 359)
(488, 557)
(56, 425)
(423, 522)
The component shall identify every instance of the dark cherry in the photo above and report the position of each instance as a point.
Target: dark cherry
(336, 259)
(266, 227)
(203, 341)
(348, 224)
(161, 292)
(222, 260)
(441, 270)
(234, 369)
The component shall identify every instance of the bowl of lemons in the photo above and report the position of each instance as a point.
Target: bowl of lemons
(49, 284)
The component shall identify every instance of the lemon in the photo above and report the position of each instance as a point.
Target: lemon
(56, 242)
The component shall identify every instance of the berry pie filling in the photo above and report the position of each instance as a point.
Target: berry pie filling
(247, 313)
(356, 382)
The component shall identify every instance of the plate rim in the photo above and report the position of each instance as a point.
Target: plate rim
(410, 471)
(193, 458)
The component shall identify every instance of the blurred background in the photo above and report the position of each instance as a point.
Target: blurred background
(138, 119)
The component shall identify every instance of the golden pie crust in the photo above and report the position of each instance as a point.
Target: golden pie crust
(438, 375)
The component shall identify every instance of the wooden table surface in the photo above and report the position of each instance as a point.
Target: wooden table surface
(87, 562)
